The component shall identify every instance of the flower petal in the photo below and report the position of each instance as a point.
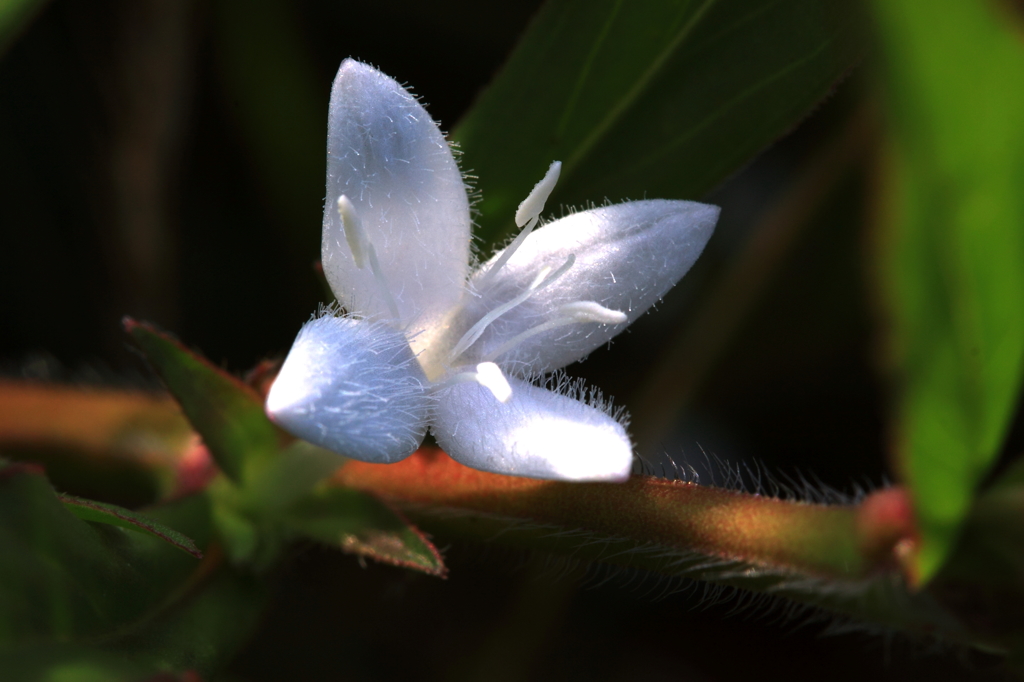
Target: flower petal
(627, 256)
(537, 433)
(389, 158)
(353, 387)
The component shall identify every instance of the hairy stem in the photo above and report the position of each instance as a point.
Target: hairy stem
(824, 541)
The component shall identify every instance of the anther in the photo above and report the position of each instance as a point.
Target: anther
(533, 205)
(570, 313)
(363, 251)
(591, 311)
(527, 214)
(354, 234)
(488, 375)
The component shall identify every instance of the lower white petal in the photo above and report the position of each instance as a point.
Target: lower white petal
(353, 387)
(537, 433)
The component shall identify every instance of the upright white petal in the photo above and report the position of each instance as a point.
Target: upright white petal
(537, 433)
(353, 387)
(627, 256)
(389, 158)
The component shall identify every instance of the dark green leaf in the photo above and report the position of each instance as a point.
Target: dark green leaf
(14, 16)
(198, 634)
(880, 599)
(203, 631)
(227, 414)
(249, 517)
(952, 249)
(240, 532)
(72, 662)
(290, 477)
(64, 577)
(657, 99)
(100, 512)
(272, 87)
(360, 524)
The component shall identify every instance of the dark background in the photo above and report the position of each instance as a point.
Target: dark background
(165, 160)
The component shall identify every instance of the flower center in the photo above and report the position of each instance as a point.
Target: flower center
(539, 282)
(527, 216)
(440, 362)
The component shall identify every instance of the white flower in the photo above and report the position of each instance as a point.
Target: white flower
(430, 343)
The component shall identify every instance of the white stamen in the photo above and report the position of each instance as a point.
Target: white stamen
(527, 214)
(539, 282)
(533, 205)
(488, 375)
(592, 311)
(570, 313)
(354, 233)
(363, 251)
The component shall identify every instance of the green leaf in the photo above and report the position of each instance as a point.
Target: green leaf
(274, 93)
(86, 601)
(200, 633)
(62, 577)
(101, 512)
(227, 414)
(71, 663)
(249, 517)
(657, 99)
(290, 477)
(952, 249)
(15, 15)
(358, 523)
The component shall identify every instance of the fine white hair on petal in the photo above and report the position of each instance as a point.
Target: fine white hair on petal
(389, 158)
(577, 388)
(353, 387)
(627, 257)
(537, 433)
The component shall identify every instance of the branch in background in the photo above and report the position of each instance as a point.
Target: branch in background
(96, 428)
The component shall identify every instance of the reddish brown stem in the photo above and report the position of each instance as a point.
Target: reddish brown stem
(833, 541)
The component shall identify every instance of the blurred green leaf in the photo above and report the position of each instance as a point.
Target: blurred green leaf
(87, 601)
(249, 517)
(203, 631)
(952, 249)
(274, 495)
(62, 577)
(272, 89)
(227, 414)
(198, 634)
(658, 99)
(100, 512)
(14, 16)
(360, 524)
(71, 663)
(291, 476)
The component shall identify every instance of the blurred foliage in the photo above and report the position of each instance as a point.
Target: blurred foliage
(164, 160)
(617, 92)
(14, 15)
(952, 250)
